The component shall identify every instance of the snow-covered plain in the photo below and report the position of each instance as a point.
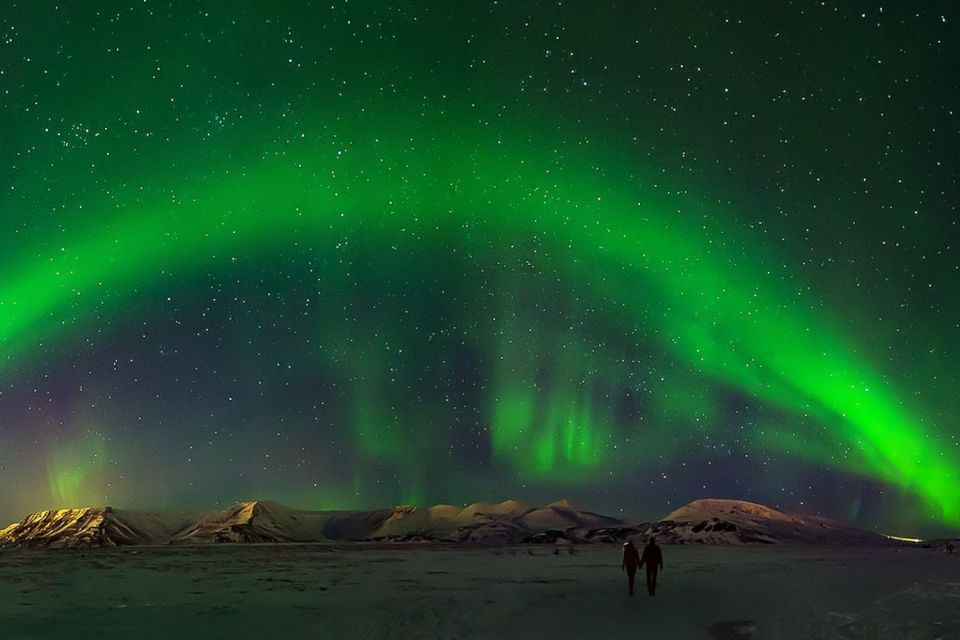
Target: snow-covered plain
(280, 592)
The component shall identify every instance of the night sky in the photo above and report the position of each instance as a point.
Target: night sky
(355, 254)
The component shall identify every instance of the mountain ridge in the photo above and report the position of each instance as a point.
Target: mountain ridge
(724, 521)
(87, 527)
(703, 521)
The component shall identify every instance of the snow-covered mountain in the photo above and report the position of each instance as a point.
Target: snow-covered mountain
(713, 521)
(483, 523)
(706, 521)
(254, 522)
(479, 523)
(563, 515)
(90, 527)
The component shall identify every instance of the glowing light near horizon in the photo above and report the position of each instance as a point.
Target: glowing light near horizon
(904, 539)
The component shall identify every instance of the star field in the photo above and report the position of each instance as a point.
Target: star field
(349, 254)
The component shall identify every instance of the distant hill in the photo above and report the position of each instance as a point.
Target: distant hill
(510, 522)
(714, 521)
(90, 527)
(492, 523)
(253, 522)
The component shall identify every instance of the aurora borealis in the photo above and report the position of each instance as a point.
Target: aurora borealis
(359, 253)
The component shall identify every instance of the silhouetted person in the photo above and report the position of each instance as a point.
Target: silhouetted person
(631, 560)
(654, 561)
(950, 548)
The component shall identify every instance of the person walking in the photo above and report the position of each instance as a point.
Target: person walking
(653, 558)
(631, 560)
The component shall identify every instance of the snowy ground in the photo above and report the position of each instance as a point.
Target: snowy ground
(288, 592)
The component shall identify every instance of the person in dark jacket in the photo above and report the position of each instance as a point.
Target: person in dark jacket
(631, 560)
(653, 558)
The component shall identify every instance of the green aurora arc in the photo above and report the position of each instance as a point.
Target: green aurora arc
(672, 280)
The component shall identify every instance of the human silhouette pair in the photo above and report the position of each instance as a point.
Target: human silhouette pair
(653, 559)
